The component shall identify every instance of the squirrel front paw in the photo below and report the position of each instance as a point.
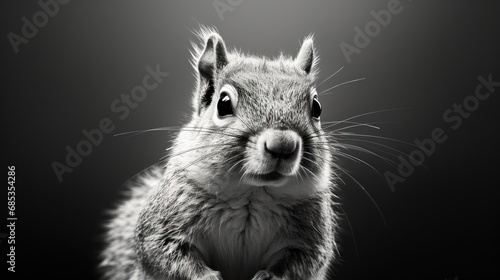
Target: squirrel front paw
(264, 275)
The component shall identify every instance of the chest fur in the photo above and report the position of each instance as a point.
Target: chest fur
(242, 235)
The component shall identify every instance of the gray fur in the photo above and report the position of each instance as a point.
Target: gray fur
(197, 218)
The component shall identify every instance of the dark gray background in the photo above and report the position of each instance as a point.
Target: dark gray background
(442, 221)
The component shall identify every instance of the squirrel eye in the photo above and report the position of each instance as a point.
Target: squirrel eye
(316, 108)
(224, 106)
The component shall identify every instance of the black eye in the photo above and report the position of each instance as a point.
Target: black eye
(224, 106)
(316, 108)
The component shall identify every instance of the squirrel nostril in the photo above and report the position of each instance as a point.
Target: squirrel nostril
(278, 143)
(280, 148)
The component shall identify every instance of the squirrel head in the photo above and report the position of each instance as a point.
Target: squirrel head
(256, 121)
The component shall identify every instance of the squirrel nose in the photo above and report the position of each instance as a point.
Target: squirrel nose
(281, 143)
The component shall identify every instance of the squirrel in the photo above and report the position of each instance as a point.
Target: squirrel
(247, 191)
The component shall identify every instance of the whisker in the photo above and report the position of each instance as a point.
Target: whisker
(140, 173)
(356, 159)
(334, 174)
(249, 128)
(346, 146)
(177, 128)
(235, 164)
(339, 178)
(310, 160)
(322, 157)
(330, 77)
(183, 168)
(326, 133)
(359, 123)
(341, 84)
(300, 174)
(386, 146)
(168, 128)
(371, 113)
(365, 150)
(339, 135)
(196, 148)
(356, 125)
(312, 173)
(366, 192)
(245, 173)
(398, 152)
(227, 161)
(350, 227)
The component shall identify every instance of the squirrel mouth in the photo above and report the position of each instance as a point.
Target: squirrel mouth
(268, 179)
(273, 176)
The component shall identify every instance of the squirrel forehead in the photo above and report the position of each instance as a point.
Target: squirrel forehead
(250, 72)
(263, 65)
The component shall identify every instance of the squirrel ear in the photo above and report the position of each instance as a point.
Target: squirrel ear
(213, 58)
(306, 58)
